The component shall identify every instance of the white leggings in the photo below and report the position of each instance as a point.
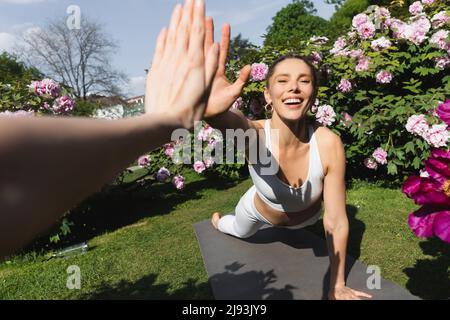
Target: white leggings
(247, 220)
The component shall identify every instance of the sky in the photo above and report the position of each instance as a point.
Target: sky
(135, 24)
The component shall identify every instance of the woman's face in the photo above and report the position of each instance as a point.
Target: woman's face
(290, 89)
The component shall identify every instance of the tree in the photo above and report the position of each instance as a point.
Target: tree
(78, 58)
(295, 23)
(337, 3)
(341, 21)
(12, 70)
(240, 47)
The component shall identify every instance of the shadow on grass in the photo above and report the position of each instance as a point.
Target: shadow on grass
(430, 278)
(112, 210)
(147, 288)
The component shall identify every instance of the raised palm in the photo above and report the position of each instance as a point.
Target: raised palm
(223, 92)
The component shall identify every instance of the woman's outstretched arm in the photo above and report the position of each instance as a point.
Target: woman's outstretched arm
(336, 222)
(49, 165)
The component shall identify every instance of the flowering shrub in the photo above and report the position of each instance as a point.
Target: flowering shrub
(373, 79)
(381, 73)
(431, 189)
(40, 97)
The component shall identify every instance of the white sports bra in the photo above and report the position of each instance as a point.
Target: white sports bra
(281, 196)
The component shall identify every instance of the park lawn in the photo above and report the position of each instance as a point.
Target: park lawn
(157, 255)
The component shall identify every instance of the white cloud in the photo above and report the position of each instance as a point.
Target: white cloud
(20, 2)
(7, 41)
(136, 86)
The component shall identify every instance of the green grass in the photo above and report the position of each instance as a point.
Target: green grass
(149, 250)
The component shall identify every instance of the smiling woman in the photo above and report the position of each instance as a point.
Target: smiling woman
(311, 160)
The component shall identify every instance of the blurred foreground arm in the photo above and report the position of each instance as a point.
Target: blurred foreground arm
(49, 165)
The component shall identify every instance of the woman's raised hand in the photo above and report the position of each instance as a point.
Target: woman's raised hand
(223, 92)
(181, 75)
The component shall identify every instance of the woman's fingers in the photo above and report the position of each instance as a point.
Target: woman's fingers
(160, 47)
(361, 294)
(184, 28)
(237, 87)
(197, 34)
(209, 34)
(173, 27)
(224, 46)
(211, 63)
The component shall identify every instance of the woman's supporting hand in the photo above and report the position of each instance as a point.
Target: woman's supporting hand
(223, 93)
(346, 293)
(180, 79)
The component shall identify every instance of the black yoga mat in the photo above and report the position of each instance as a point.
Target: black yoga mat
(280, 263)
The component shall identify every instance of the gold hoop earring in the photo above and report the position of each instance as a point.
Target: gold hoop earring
(271, 108)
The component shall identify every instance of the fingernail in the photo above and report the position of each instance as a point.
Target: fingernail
(198, 3)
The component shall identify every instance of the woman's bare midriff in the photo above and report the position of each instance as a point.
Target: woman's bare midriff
(285, 219)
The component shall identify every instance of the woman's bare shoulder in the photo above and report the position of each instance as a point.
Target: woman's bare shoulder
(326, 136)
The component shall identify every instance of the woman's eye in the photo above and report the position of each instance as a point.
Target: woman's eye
(282, 81)
(305, 81)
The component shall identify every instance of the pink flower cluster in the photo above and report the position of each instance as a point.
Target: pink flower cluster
(199, 166)
(238, 104)
(431, 190)
(437, 135)
(416, 31)
(416, 8)
(325, 115)
(384, 77)
(259, 71)
(379, 156)
(439, 39)
(381, 44)
(439, 20)
(344, 86)
(144, 161)
(169, 149)
(46, 87)
(178, 182)
(61, 105)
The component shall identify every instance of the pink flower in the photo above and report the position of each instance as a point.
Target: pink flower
(437, 136)
(199, 166)
(259, 71)
(443, 111)
(204, 133)
(178, 182)
(366, 30)
(325, 115)
(439, 20)
(359, 20)
(442, 63)
(416, 8)
(363, 64)
(62, 105)
(162, 175)
(356, 53)
(344, 86)
(435, 189)
(46, 87)
(169, 149)
(347, 118)
(382, 13)
(380, 156)
(144, 161)
(238, 104)
(339, 45)
(428, 222)
(370, 164)
(316, 57)
(384, 77)
(440, 39)
(417, 124)
(380, 44)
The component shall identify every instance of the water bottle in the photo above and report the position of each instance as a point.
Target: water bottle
(80, 248)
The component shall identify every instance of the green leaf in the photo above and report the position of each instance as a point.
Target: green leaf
(392, 169)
